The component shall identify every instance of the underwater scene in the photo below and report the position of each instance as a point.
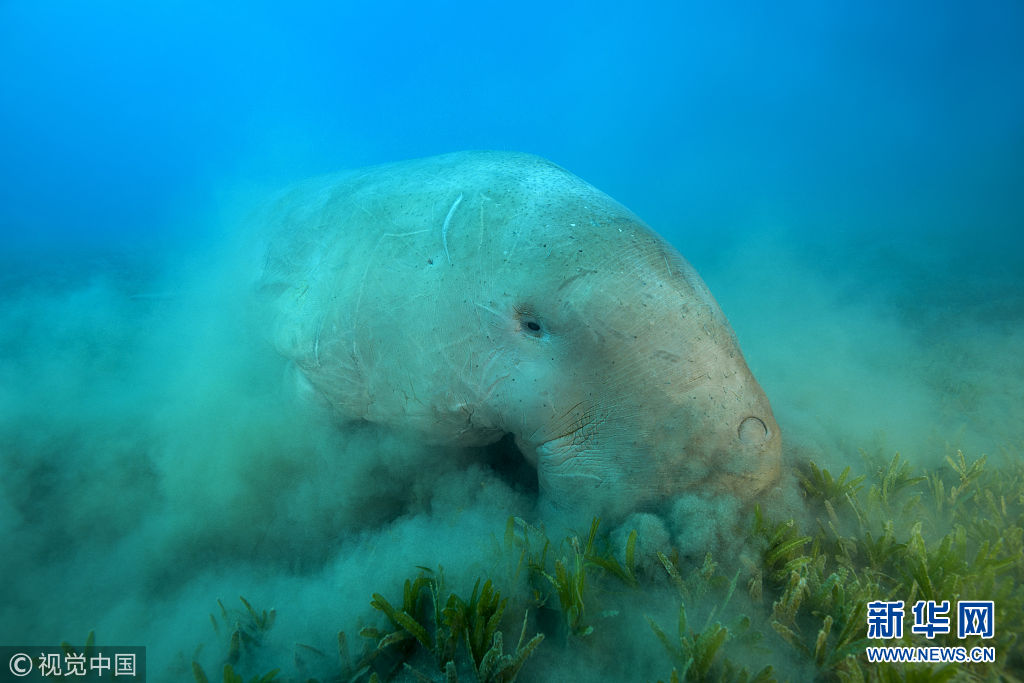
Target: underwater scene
(450, 341)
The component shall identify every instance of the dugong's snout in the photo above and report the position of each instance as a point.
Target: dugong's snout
(735, 446)
(643, 461)
(738, 458)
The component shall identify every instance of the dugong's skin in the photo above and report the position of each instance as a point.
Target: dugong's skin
(475, 294)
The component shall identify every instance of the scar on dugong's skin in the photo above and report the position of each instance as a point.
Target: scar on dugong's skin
(476, 294)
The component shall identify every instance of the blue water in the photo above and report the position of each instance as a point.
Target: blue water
(846, 177)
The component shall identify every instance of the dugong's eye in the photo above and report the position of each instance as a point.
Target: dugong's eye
(529, 323)
(531, 327)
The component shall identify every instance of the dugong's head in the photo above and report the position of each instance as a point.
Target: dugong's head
(477, 294)
(622, 380)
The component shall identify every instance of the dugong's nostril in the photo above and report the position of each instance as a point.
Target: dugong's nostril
(753, 431)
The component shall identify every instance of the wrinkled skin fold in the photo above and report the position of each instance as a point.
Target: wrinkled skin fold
(471, 295)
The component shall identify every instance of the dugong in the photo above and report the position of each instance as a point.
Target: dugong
(477, 294)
